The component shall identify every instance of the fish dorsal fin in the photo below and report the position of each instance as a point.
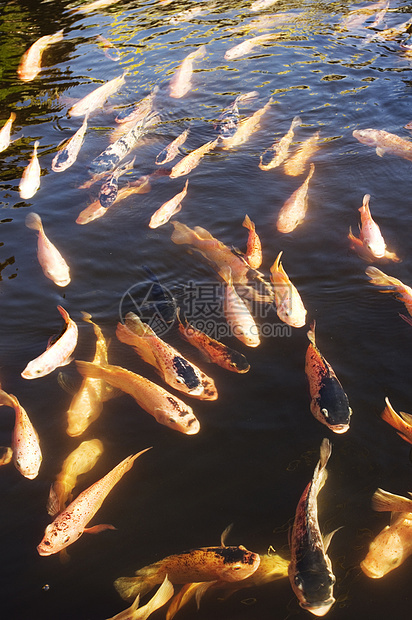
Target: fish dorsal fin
(383, 501)
(407, 417)
(328, 537)
(201, 590)
(136, 325)
(225, 534)
(53, 504)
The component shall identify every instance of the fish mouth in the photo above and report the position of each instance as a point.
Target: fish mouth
(42, 551)
(339, 428)
(318, 610)
(369, 572)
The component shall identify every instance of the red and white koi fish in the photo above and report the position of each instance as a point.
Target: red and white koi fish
(190, 161)
(5, 132)
(289, 305)
(280, 148)
(134, 612)
(30, 181)
(70, 524)
(67, 155)
(51, 261)
(166, 408)
(26, 452)
(181, 82)
(56, 354)
(293, 211)
(296, 164)
(168, 209)
(254, 248)
(30, 63)
(391, 285)
(97, 97)
(384, 142)
(246, 46)
(172, 149)
(237, 313)
(401, 421)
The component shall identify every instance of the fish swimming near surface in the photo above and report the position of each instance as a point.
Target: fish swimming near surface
(51, 261)
(166, 408)
(380, 15)
(229, 119)
(168, 209)
(25, 446)
(181, 82)
(190, 161)
(275, 155)
(310, 568)
(110, 188)
(393, 545)
(70, 524)
(175, 369)
(402, 291)
(296, 163)
(258, 5)
(246, 128)
(5, 132)
(246, 46)
(95, 100)
(329, 402)
(384, 142)
(392, 33)
(56, 354)
(139, 110)
(171, 150)
(289, 305)
(134, 612)
(67, 155)
(110, 50)
(30, 180)
(78, 462)
(293, 211)
(356, 18)
(93, 6)
(253, 253)
(238, 315)
(401, 421)
(30, 63)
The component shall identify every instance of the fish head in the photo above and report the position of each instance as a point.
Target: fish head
(366, 136)
(377, 247)
(386, 552)
(237, 563)
(334, 410)
(238, 362)
(34, 369)
(57, 537)
(178, 416)
(314, 590)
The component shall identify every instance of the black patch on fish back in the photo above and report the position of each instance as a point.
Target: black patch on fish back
(334, 400)
(184, 370)
(232, 555)
(108, 192)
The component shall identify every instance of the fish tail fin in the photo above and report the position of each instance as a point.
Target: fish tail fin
(12, 117)
(86, 316)
(163, 594)
(33, 221)
(90, 369)
(200, 52)
(311, 333)
(64, 313)
(35, 147)
(397, 420)
(365, 205)
(181, 234)
(247, 223)
(136, 325)
(311, 171)
(186, 593)
(383, 501)
(8, 400)
(296, 122)
(246, 97)
(379, 278)
(320, 475)
(277, 267)
(144, 580)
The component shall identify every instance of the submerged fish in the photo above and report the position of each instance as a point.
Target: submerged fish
(296, 164)
(107, 45)
(134, 612)
(70, 524)
(97, 97)
(51, 261)
(30, 63)
(310, 568)
(391, 33)
(293, 211)
(393, 545)
(238, 316)
(110, 188)
(68, 154)
(384, 142)
(246, 128)
(254, 248)
(5, 132)
(56, 354)
(391, 285)
(258, 5)
(246, 46)
(370, 235)
(289, 305)
(30, 181)
(25, 446)
(401, 421)
(181, 81)
(190, 161)
(93, 6)
(329, 402)
(168, 209)
(172, 149)
(279, 149)
(228, 121)
(139, 110)
(163, 406)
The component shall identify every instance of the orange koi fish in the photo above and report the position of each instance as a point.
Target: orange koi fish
(384, 142)
(163, 406)
(168, 209)
(51, 261)
(67, 155)
(246, 128)
(279, 149)
(70, 524)
(181, 81)
(237, 313)
(25, 446)
(289, 305)
(401, 421)
(5, 132)
(134, 612)
(254, 248)
(56, 354)
(293, 211)
(30, 180)
(392, 285)
(30, 63)
(172, 149)
(97, 97)
(296, 164)
(190, 161)
(329, 403)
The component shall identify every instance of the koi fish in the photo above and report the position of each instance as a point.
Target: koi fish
(165, 408)
(293, 211)
(247, 127)
(380, 16)
(237, 314)
(215, 351)
(97, 97)
(51, 261)
(30, 181)
(87, 404)
(110, 188)
(181, 81)
(254, 248)
(56, 354)
(246, 46)
(391, 33)
(70, 524)
(67, 155)
(228, 121)
(289, 305)
(279, 149)
(370, 233)
(5, 132)
(25, 446)
(175, 370)
(93, 6)
(365, 254)
(384, 142)
(134, 612)
(401, 421)
(355, 19)
(107, 45)
(30, 63)
(185, 16)
(258, 5)
(393, 545)
(139, 110)
(79, 462)
(168, 209)
(296, 164)
(172, 149)
(190, 161)
(95, 209)
(329, 403)
(392, 285)
(310, 568)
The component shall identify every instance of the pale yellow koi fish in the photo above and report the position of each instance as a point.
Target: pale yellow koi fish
(384, 142)
(181, 81)
(171, 150)
(25, 446)
(279, 149)
(293, 211)
(258, 5)
(51, 261)
(190, 161)
(289, 305)
(246, 46)
(30, 181)
(296, 164)
(246, 128)
(391, 285)
(254, 248)
(70, 524)
(134, 612)
(5, 132)
(67, 155)
(168, 209)
(30, 63)
(93, 6)
(56, 354)
(97, 97)
(237, 314)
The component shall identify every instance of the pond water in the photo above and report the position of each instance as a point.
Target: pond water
(258, 443)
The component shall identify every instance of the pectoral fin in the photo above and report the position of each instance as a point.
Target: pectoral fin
(96, 529)
(380, 151)
(328, 537)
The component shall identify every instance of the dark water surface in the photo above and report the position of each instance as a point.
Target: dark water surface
(258, 443)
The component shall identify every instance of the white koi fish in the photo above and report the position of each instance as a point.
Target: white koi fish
(237, 313)
(30, 181)
(67, 155)
(51, 261)
(279, 149)
(97, 97)
(5, 132)
(168, 209)
(172, 149)
(246, 46)
(384, 142)
(181, 82)
(289, 305)
(293, 211)
(30, 63)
